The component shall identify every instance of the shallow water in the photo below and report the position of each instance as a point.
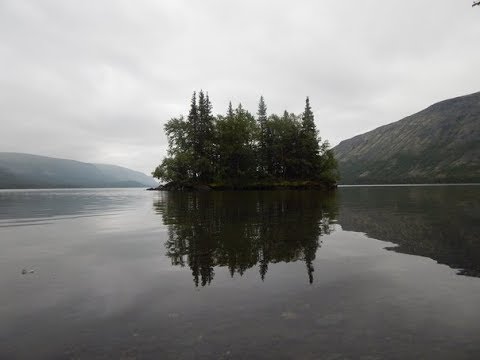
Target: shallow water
(367, 272)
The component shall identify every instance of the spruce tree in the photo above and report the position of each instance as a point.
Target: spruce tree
(210, 137)
(309, 148)
(262, 111)
(193, 118)
(208, 106)
(308, 120)
(202, 120)
(262, 142)
(204, 142)
(230, 110)
(201, 107)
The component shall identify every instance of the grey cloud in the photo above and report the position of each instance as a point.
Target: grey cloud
(96, 81)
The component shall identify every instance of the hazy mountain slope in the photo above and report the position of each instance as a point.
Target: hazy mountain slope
(32, 171)
(123, 174)
(438, 144)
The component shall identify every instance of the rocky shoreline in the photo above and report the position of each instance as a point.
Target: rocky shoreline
(287, 185)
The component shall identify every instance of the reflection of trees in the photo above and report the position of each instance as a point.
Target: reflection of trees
(239, 230)
(442, 223)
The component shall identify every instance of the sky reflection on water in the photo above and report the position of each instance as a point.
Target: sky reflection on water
(130, 273)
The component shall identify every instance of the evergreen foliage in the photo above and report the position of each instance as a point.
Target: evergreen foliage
(237, 149)
(263, 157)
(309, 142)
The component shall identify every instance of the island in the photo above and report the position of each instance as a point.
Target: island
(240, 151)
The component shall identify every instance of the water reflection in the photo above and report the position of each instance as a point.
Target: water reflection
(30, 207)
(439, 222)
(242, 230)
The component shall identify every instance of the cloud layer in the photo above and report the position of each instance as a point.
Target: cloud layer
(95, 81)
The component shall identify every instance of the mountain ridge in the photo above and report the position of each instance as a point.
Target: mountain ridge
(21, 170)
(437, 144)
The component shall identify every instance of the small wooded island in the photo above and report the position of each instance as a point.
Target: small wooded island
(239, 151)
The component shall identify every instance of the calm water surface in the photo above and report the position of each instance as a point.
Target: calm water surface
(364, 273)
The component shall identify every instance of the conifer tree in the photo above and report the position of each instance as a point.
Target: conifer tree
(193, 121)
(262, 112)
(230, 110)
(202, 123)
(309, 148)
(262, 142)
(193, 118)
(208, 105)
(201, 107)
(193, 114)
(210, 137)
(308, 120)
(204, 144)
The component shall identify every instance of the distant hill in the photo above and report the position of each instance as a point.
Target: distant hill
(437, 145)
(32, 171)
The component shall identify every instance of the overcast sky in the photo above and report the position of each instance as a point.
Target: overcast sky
(96, 80)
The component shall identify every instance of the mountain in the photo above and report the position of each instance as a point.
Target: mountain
(440, 144)
(32, 171)
(121, 174)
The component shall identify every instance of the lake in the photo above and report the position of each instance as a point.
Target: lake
(362, 273)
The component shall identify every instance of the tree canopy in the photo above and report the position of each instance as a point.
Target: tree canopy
(238, 149)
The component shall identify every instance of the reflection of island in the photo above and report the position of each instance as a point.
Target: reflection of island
(442, 223)
(239, 230)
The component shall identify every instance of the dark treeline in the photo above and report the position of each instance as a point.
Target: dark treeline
(208, 230)
(238, 148)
